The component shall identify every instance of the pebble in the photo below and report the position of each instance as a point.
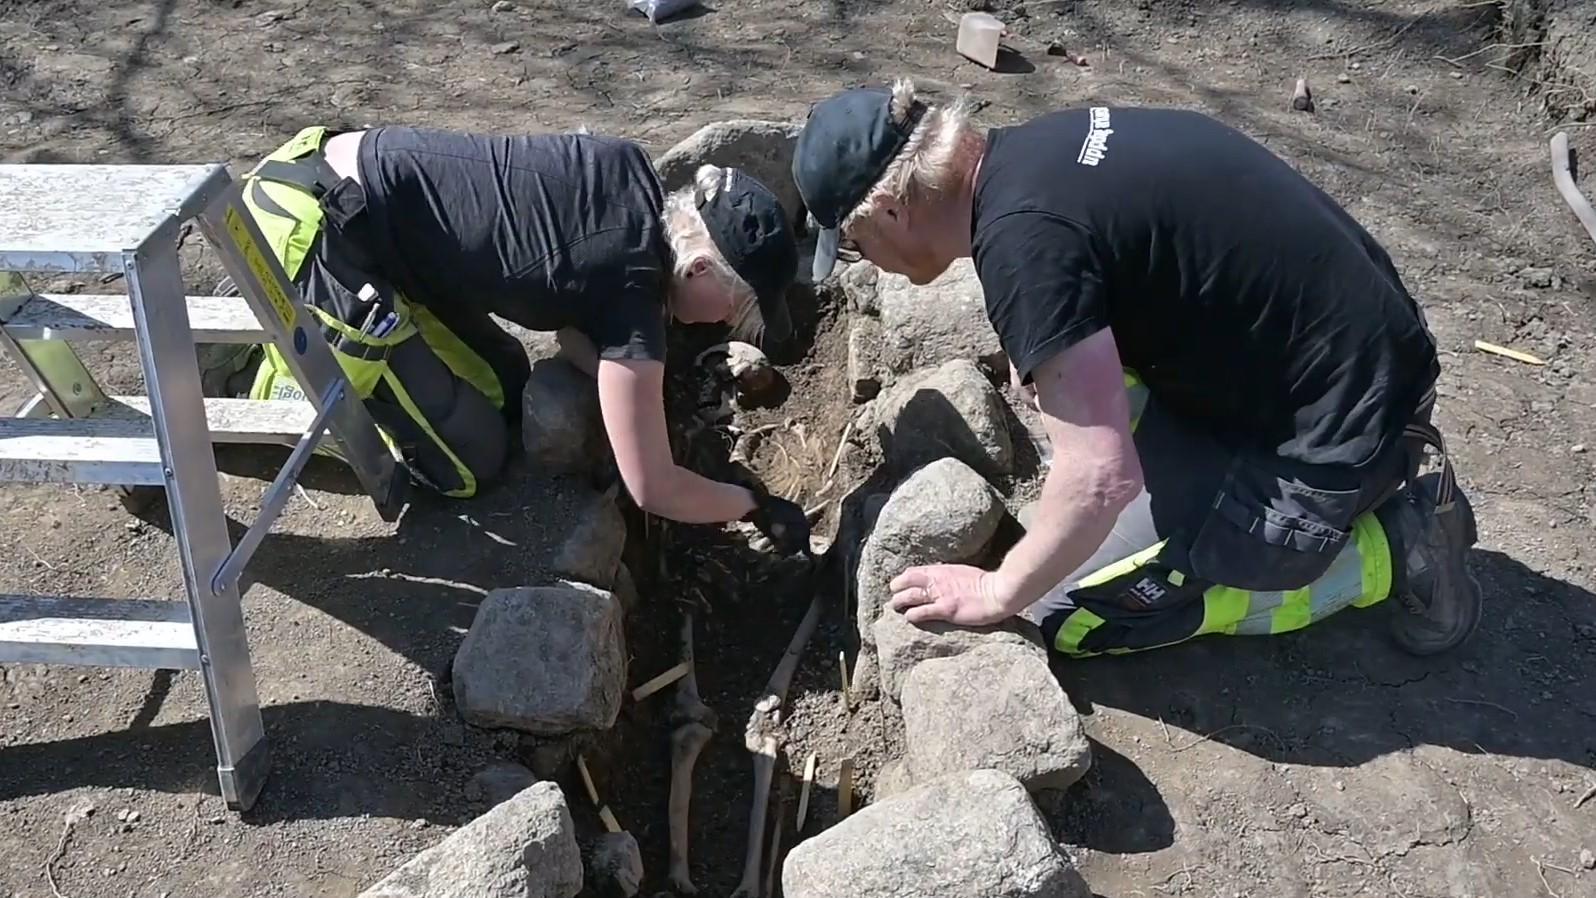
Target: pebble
(1298, 810)
(503, 6)
(1587, 859)
(1343, 78)
(1577, 448)
(506, 48)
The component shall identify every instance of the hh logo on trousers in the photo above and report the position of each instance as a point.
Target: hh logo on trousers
(1147, 591)
(1095, 147)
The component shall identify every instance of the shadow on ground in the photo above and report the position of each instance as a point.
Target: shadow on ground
(329, 760)
(1340, 695)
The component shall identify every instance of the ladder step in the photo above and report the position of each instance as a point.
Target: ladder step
(143, 633)
(109, 316)
(117, 445)
(232, 420)
(83, 217)
(79, 450)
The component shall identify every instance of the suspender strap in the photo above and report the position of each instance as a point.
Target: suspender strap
(309, 173)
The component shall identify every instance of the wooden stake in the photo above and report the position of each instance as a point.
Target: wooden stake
(660, 682)
(1513, 354)
(803, 795)
(610, 823)
(845, 789)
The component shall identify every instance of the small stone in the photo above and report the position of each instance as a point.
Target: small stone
(762, 149)
(83, 678)
(523, 847)
(122, 815)
(503, 6)
(1343, 78)
(997, 707)
(1413, 88)
(902, 646)
(944, 513)
(591, 552)
(923, 327)
(1535, 278)
(1587, 859)
(864, 340)
(506, 48)
(951, 410)
(418, 824)
(544, 660)
(971, 833)
(561, 427)
(1577, 448)
(1298, 810)
(615, 861)
(1457, 76)
(270, 17)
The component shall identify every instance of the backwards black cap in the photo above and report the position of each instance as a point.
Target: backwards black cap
(845, 147)
(748, 225)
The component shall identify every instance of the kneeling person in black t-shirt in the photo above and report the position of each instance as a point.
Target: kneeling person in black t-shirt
(1235, 383)
(406, 240)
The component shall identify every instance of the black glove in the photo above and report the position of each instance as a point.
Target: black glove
(783, 522)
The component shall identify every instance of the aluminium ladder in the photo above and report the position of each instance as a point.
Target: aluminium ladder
(126, 219)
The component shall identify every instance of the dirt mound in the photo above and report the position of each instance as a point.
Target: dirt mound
(1553, 43)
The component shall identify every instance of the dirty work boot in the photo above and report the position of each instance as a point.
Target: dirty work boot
(1437, 602)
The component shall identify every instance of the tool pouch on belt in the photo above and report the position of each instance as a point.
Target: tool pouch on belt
(399, 359)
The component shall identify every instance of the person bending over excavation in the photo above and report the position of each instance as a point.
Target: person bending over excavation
(403, 240)
(1235, 383)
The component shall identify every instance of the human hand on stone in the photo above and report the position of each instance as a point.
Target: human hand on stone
(956, 593)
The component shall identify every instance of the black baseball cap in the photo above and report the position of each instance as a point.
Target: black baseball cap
(844, 148)
(750, 229)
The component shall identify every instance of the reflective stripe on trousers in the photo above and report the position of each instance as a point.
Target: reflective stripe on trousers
(1359, 577)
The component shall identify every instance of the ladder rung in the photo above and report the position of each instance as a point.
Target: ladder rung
(79, 450)
(109, 316)
(98, 632)
(118, 446)
(233, 420)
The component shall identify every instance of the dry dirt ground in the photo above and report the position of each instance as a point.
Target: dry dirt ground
(1322, 763)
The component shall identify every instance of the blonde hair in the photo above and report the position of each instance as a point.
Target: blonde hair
(690, 241)
(928, 166)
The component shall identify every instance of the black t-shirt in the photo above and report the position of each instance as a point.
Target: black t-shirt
(547, 231)
(1240, 292)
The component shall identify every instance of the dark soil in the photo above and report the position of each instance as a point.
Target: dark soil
(1323, 763)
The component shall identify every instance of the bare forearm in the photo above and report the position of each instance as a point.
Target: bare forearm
(1075, 514)
(691, 498)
